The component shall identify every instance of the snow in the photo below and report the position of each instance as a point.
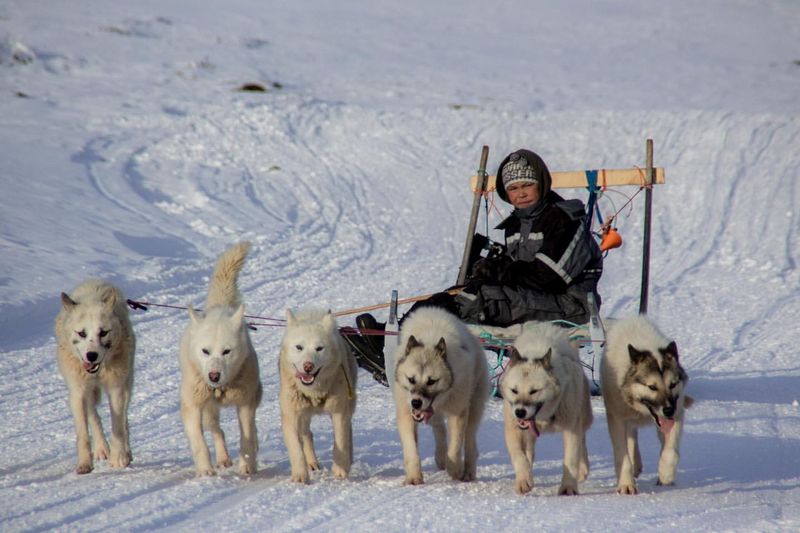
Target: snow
(127, 153)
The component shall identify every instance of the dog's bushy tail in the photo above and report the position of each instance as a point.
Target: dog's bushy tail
(224, 289)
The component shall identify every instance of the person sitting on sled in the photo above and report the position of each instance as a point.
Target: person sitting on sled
(549, 263)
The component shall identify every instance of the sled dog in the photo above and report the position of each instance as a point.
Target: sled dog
(219, 368)
(545, 390)
(317, 375)
(96, 346)
(441, 372)
(642, 383)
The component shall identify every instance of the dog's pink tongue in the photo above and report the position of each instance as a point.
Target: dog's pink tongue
(530, 423)
(665, 425)
(87, 366)
(427, 414)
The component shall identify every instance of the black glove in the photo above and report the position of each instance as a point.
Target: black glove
(490, 268)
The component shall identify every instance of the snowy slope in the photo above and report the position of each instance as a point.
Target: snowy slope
(127, 153)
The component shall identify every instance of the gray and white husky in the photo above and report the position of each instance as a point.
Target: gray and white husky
(96, 346)
(317, 375)
(219, 368)
(441, 372)
(643, 383)
(545, 390)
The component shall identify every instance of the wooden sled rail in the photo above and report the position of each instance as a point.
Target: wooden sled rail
(576, 179)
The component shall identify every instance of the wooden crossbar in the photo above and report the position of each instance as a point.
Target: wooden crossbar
(577, 179)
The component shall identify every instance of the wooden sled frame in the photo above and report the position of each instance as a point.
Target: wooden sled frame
(590, 337)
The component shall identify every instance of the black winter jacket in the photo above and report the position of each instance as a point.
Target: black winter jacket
(551, 262)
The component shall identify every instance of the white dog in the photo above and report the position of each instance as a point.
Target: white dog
(642, 382)
(545, 390)
(441, 371)
(219, 367)
(96, 346)
(317, 374)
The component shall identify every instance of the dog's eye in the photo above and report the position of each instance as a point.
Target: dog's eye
(652, 387)
(533, 391)
(412, 380)
(103, 333)
(673, 385)
(81, 334)
(320, 348)
(226, 351)
(298, 347)
(205, 351)
(514, 390)
(431, 381)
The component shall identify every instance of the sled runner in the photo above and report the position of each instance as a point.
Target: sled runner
(589, 337)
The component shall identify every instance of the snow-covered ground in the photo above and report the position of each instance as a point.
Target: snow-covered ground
(126, 152)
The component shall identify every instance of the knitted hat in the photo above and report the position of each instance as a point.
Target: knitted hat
(518, 170)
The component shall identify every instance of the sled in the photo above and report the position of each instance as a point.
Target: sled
(589, 338)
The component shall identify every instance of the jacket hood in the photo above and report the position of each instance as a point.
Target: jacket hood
(539, 167)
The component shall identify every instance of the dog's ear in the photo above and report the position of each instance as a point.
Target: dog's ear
(238, 316)
(329, 321)
(635, 355)
(515, 356)
(109, 297)
(670, 351)
(290, 318)
(412, 343)
(193, 315)
(546, 360)
(67, 302)
(441, 348)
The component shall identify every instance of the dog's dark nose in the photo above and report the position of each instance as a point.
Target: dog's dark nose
(91, 356)
(521, 413)
(214, 377)
(416, 403)
(308, 367)
(669, 411)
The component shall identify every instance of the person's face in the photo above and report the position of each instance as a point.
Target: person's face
(523, 194)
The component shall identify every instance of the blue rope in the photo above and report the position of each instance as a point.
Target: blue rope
(591, 205)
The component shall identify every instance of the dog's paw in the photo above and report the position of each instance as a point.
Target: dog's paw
(468, 476)
(441, 461)
(121, 461)
(583, 472)
(313, 465)
(523, 485)
(564, 490)
(340, 472)
(120, 458)
(627, 489)
(455, 469)
(664, 483)
(301, 477)
(101, 452)
(83, 468)
(206, 472)
(247, 469)
(413, 480)
(224, 462)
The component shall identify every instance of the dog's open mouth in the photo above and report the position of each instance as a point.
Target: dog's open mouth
(91, 368)
(664, 424)
(422, 415)
(306, 378)
(528, 424)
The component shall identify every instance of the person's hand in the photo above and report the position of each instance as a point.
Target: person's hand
(489, 268)
(482, 269)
